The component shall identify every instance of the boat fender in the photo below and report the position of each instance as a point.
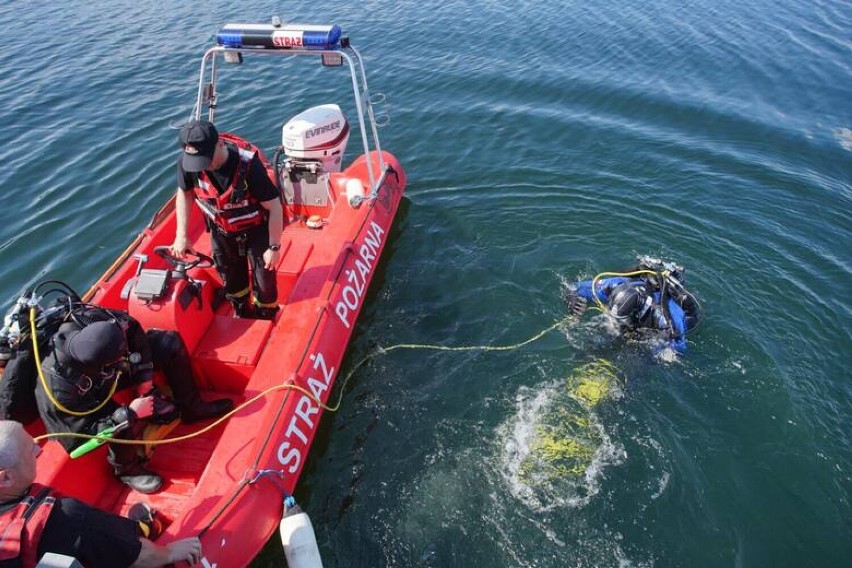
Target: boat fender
(298, 538)
(354, 192)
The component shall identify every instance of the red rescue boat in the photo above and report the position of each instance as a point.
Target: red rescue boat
(227, 484)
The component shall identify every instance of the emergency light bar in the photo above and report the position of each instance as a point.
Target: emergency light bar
(270, 36)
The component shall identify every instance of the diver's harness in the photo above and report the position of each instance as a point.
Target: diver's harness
(667, 277)
(38, 337)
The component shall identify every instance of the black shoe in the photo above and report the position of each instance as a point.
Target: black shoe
(149, 522)
(202, 410)
(242, 311)
(263, 313)
(141, 480)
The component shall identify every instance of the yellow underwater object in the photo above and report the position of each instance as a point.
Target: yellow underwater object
(560, 456)
(593, 382)
(567, 433)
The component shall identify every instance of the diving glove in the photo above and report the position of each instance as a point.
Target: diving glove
(576, 303)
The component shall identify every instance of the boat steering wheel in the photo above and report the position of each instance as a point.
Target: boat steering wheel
(180, 265)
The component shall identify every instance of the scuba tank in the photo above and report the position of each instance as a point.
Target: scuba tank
(17, 387)
(19, 375)
(10, 333)
(670, 278)
(659, 265)
(298, 538)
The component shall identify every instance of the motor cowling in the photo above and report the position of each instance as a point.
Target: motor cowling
(319, 134)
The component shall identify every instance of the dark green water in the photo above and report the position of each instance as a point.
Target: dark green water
(544, 142)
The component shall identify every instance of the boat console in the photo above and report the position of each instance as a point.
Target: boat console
(172, 298)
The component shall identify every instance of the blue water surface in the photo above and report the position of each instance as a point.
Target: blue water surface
(544, 142)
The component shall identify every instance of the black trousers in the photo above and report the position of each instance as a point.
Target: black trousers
(234, 253)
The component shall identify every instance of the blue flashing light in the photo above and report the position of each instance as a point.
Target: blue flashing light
(229, 39)
(291, 36)
(323, 39)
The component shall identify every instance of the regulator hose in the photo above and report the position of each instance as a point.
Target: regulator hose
(46, 387)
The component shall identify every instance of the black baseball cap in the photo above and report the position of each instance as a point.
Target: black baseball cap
(198, 139)
(97, 344)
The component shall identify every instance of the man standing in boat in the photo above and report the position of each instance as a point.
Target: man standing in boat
(242, 208)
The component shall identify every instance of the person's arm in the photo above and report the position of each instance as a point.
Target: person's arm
(182, 219)
(266, 193)
(275, 225)
(581, 293)
(152, 555)
(601, 290)
(678, 322)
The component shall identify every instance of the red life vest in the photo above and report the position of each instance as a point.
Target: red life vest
(21, 526)
(235, 210)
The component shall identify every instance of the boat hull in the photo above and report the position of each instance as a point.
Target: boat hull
(227, 484)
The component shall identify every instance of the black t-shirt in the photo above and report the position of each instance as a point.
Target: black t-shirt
(259, 185)
(92, 536)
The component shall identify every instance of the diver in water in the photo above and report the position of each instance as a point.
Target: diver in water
(650, 297)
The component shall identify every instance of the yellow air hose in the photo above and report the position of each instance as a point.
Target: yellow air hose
(599, 304)
(44, 384)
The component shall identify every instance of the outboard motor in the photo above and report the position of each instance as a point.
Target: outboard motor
(317, 135)
(314, 142)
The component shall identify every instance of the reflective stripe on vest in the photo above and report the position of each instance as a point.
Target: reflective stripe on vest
(21, 526)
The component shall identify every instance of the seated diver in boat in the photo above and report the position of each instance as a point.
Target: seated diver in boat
(34, 520)
(650, 297)
(98, 351)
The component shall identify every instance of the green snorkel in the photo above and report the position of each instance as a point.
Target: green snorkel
(102, 437)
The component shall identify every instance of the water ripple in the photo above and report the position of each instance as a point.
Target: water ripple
(540, 148)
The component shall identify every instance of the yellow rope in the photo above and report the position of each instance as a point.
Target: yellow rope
(383, 350)
(186, 436)
(334, 408)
